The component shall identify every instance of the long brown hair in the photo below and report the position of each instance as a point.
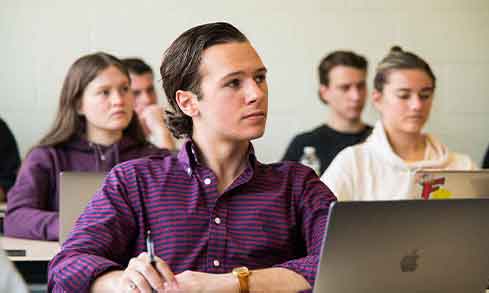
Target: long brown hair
(68, 122)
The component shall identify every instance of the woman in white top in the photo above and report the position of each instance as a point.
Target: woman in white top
(384, 167)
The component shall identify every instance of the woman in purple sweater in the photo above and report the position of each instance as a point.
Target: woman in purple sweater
(94, 130)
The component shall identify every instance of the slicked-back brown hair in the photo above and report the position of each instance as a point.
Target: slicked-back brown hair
(181, 63)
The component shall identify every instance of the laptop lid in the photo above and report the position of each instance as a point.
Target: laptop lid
(443, 184)
(406, 246)
(76, 190)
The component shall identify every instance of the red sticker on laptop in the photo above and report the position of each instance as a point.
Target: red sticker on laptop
(433, 188)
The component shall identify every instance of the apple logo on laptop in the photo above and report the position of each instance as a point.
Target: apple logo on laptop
(409, 263)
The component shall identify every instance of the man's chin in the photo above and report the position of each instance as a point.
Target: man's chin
(256, 135)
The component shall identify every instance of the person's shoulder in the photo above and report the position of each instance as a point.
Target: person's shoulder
(310, 138)
(154, 162)
(285, 170)
(3, 124)
(40, 152)
(355, 151)
(313, 133)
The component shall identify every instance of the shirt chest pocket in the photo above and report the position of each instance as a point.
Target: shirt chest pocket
(263, 234)
(179, 231)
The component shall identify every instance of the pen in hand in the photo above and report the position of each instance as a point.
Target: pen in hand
(151, 251)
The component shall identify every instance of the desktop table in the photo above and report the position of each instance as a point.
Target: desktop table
(34, 263)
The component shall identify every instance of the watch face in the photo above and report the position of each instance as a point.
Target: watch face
(241, 271)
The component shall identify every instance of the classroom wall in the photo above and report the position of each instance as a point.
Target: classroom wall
(40, 39)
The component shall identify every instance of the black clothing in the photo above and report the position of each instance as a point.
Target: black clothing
(485, 163)
(9, 157)
(327, 142)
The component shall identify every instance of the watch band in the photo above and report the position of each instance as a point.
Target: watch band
(242, 273)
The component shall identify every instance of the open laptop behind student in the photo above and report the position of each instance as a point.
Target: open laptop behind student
(445, 184)
(406, 246)
(76, 190)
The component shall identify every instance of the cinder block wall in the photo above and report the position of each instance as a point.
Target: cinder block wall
(40, 39)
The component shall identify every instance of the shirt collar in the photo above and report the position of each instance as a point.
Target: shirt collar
(187, 156)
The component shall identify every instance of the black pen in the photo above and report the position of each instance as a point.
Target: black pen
(151, 251)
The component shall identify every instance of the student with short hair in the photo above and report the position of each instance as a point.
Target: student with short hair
(151, 115)
(9, 159)
(94, 130)
(213, 208)
(384, 167)
(343, 87)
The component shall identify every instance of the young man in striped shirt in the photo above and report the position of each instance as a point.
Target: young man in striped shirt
(211, 209)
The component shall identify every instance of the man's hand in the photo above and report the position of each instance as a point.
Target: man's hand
(153, 120)
(139, 277)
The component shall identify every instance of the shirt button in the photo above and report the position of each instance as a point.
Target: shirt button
(207, 181)
(216, 263)
(217, 220)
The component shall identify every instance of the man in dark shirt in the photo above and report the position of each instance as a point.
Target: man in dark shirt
(342, 76)
(9, 160)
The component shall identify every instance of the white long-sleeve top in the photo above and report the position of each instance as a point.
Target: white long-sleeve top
(373, 171)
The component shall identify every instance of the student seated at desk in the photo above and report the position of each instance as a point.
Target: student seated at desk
(151, 115)
(10, 279)
(383, 167)
(211, 209)
(94, 130)
(9, 159)
(343, 87)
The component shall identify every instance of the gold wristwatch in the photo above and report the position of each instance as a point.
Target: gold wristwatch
(242, 273)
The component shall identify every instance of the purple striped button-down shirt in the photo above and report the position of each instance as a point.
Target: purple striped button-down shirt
(272, 215)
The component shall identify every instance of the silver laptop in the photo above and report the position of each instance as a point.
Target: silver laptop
(76, 190)
(452, 184)
(405, 247)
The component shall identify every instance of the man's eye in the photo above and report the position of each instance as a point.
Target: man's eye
(260, 78)
(424, 96)
(403, 97)
(105, 92)
(235, 83)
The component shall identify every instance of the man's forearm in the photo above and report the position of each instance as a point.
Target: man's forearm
(277, 280)
(260, 281)
(107, 282)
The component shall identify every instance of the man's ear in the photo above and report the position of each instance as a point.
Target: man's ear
(323, 93)
(187, 101)
(376, 99)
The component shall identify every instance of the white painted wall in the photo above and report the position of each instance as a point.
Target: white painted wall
(40, 39)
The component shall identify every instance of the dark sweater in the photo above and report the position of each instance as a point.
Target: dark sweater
(327, 142)
(9, 157)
